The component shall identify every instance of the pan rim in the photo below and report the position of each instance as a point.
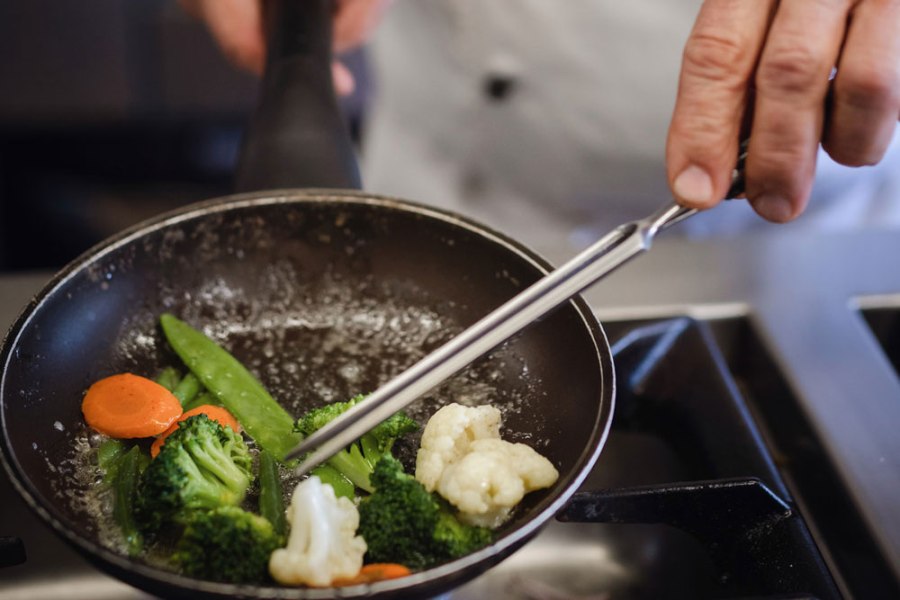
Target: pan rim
(153, 576)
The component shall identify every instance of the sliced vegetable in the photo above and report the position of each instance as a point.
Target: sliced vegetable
(124, 484)
(216, 413)
(129, 406)
(271, 493)
(374, 572)
(238, 390)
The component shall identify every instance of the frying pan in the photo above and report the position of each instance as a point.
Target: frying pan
(323, 292)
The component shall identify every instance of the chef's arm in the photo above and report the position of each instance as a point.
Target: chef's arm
(792, 75)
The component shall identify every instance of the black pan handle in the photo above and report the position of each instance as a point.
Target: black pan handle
(297, 137)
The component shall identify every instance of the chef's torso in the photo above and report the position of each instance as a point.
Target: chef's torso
(548, 119)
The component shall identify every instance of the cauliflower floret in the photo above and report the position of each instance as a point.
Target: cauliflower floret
(492, 478)
(323, 544)
(463, 458)
(447, 436)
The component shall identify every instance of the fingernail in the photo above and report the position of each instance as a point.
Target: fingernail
(694, 185)
(773, 207)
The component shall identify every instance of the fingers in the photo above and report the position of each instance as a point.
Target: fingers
(355, 20)
(792, 82)
(778, 56)
(718, 63)
(866, 90)
(344, 84)
(237, 27)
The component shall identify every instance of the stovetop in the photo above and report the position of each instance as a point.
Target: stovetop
(753, 452)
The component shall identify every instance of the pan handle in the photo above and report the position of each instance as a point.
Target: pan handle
(297, 136)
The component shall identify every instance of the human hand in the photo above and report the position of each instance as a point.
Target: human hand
(237, 26)
(767, 64)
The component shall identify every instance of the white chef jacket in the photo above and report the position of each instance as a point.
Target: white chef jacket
(547, 120)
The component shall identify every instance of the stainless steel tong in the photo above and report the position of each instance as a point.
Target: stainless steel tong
(587, 268)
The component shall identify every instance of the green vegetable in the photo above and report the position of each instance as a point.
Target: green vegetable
(124, 483)
(237, 389)
(403, 523)
(227, 544)
(271, 493)
(187, 389)
(204, 397)
(341, 485)
(168, 378)
(108, 454)
(357, 461)
(202, 466)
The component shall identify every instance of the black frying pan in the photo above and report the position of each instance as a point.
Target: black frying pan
(323, 293)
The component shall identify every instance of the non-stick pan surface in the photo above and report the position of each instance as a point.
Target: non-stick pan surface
(323, 295)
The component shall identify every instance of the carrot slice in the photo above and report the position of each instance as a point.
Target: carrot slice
(217, 413)
(129, 406)
(374, 572)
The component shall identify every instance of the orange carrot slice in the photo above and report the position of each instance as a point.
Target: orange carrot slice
(216, 413)
(372, 573)
(129, 406)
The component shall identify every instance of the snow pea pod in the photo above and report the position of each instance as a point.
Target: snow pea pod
(234, 386)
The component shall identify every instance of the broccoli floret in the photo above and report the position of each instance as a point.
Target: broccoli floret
(404, 523)
(202, 466)
(227, 544)
(457, 539)
(357, 461)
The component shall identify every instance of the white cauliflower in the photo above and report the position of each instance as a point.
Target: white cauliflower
(447, 436)
(463, 458)
(323, 544)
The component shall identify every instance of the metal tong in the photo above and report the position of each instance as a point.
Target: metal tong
(584, 270)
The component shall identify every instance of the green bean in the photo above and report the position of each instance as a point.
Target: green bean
(125, 487)
(187, 389)
(271, 493)
(230, 382)
(168, 378)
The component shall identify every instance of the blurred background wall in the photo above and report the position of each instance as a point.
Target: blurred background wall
(110, 112)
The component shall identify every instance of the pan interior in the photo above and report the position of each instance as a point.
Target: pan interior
(322, 299)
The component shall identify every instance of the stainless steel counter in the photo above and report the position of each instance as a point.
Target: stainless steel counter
(804, 296)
